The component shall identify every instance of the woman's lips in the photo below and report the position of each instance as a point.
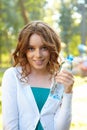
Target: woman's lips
(38, 62)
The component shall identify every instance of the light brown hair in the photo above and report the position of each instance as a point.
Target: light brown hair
(49, 37)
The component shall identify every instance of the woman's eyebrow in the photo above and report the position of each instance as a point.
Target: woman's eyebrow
(30, 45)
(34, 45)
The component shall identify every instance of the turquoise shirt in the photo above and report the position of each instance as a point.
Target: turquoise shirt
(40, 95)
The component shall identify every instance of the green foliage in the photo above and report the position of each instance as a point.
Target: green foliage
(65, 23)
(13, 16)
(73, 45)
(35, 9)
(70, 31)
(1, 74)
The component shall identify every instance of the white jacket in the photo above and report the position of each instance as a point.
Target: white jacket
(20, 111)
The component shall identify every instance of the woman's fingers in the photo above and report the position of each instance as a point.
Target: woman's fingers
(67, 79)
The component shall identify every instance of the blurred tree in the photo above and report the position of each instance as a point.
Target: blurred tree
(52, 14)
(82, 9)
(36, 9)
(24, 12)
(10, 21)
(66, 23)
(13, 15)
(85, 1)
(70, 29)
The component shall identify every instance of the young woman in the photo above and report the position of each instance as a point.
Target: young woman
(26, 100)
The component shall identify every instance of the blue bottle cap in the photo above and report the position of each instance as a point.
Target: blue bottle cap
(69, 58)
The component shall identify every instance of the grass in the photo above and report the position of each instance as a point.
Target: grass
(79, 106)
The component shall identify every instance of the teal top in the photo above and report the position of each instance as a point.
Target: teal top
(40, 95)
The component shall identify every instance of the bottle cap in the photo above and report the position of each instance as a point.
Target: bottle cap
(69, 58)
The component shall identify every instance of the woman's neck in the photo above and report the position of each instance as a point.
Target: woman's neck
(40, 79)
(39, 72)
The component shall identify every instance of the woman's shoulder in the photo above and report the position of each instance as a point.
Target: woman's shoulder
(12, 70)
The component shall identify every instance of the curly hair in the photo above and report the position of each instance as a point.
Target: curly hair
(50, 39)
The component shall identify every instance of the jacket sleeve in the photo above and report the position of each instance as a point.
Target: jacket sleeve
(62, 118)
(9, 101)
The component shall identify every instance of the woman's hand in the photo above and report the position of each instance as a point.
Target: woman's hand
(66, 78)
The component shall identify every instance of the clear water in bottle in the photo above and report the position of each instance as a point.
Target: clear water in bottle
(57, 89)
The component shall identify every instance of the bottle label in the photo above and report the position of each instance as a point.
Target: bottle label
(57, 91)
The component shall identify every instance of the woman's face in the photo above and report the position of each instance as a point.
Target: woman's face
(38, 54)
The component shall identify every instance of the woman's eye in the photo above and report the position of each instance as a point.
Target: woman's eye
(44, 48)
(30, 48)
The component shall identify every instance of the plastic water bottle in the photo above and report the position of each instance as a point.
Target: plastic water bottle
(57, 89)
(68, 64)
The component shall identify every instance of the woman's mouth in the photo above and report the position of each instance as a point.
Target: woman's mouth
(38, 62)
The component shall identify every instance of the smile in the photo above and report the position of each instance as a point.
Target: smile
(38, 62)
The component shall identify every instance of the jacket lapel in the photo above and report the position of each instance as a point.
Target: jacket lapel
(30, 97)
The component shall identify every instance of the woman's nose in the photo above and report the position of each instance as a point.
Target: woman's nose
(38, 53)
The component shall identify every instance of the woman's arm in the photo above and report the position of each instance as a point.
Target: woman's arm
(62, 119)
(9, 101)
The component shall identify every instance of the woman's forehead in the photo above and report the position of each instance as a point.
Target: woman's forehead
(36, 39)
